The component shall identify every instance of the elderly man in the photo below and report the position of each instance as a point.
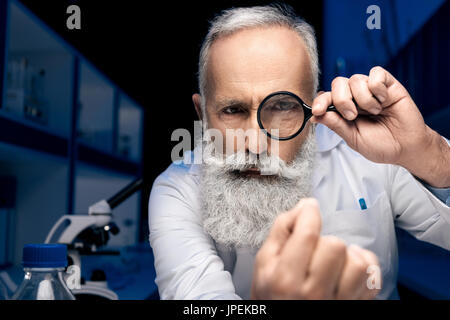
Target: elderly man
(236, 229)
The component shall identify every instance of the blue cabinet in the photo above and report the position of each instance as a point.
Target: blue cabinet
(96, 108)
(68, 133)
(38, 75)
(130, 129)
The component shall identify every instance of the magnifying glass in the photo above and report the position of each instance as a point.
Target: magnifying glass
(282, 115)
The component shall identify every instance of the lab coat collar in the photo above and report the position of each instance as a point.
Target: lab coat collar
(326, 138)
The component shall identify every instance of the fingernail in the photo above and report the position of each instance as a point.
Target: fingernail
(350, 115)
(375, 110)
(316, 107)
(381, 98)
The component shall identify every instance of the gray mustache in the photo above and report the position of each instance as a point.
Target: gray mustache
(240, 161)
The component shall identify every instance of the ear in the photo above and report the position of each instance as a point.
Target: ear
(196, 98)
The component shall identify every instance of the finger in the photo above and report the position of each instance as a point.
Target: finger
(383, 85)
(363, 96)
(326, 267)
(301, 244)
(321, 103)
(319, 93)
(378, 83)
(334, 121)
(342, 98)
(354, 276)
(373, 275)
(280, 232)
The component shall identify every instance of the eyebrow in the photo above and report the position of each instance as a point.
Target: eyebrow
(228, 102)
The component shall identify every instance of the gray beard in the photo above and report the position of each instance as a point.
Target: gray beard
(239, 210)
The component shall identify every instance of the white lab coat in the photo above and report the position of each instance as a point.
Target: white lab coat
(189, 265)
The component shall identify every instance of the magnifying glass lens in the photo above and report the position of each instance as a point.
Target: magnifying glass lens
(282, 115)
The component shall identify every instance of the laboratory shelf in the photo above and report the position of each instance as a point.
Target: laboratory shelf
(86, 116)
(130, 127)
(38, 73)
(96, 109)
(63, 123)
(20, 134)
(41, 190)
(105, 160)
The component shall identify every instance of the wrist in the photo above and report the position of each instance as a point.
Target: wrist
(431, 161)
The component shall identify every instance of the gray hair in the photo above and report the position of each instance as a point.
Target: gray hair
(236, 19)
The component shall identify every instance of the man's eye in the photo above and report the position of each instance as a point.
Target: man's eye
(231, 110)
(284, 106)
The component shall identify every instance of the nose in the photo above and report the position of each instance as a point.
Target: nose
(255, 139)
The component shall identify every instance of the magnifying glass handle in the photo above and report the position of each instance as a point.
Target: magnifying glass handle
(332, 108)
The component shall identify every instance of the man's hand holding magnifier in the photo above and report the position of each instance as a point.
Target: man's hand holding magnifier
(378, 119)
(376, 116)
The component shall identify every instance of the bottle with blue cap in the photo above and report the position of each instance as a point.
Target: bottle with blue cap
(44, 265)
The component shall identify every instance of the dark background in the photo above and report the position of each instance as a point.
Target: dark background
(150, 50)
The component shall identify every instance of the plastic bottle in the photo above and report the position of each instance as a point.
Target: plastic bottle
(44, 265)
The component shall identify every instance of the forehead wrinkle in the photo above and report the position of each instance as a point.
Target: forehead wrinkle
(261, 45)
(227, 68)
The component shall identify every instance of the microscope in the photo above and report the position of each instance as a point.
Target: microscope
(86, 234)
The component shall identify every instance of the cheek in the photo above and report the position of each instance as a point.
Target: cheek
(218, 132)
(214, 122)
(288, 149)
